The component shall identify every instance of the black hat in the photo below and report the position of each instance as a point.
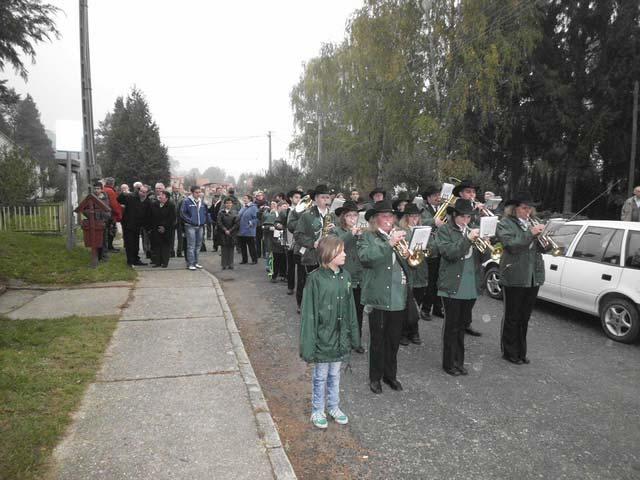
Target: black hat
(462, 206)
(412, 209)
(519, 198)
(377, 190)
(397, 201)
(293, 192)
(319, 190)
(348, 206)
(462, 185)
(430, 190)
(383, 206)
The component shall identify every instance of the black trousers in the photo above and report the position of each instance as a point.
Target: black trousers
(385, 329)
(291, 269)
(301, 280)
(258, 241)
(250, 243)
(518, 305)
(279, 265)
(160, 247)
(181, 241)
(132, 245)
(410, 327)
(432, 300)
(357, 295)
(227, 255)
(456, 315)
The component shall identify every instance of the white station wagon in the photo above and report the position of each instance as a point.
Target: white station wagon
(599, 273)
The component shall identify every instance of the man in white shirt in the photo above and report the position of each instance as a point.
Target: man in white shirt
(631, 207)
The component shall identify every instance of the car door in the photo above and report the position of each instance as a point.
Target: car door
(563, 235)
(630, 281)
(593, 268)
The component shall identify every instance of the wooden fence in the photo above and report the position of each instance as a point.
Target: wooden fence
(37, 218)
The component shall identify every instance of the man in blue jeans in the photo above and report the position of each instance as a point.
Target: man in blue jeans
(194, 216)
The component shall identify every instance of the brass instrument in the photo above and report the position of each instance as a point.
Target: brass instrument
(327, 223)
(414, 258)
(545, 240)
(484, 211)
(304, 204)
(483, 245)
(441, 213)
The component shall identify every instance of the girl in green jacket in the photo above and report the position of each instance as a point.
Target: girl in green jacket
(328, 329)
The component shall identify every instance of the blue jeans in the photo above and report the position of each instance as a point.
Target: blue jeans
(326, 377)
(194, 242)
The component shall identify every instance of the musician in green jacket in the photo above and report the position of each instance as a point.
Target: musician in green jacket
(459, 282)
(432, 305)
(521, 273)
(348, 231)
(386, 283)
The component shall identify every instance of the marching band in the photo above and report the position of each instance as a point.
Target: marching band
(396, 282)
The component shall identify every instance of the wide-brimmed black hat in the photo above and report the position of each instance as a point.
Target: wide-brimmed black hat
(293, 192)
(348, 206)
(430, 190)
(397, 201)
(412, 209)
(519, 198)
(319, 190)
(462, 185)
(377, 190)
(383, 206)
(462, 206)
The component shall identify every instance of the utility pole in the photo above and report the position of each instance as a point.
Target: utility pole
(269, 135)
(634, 137)
(319, 138)
(87, 104)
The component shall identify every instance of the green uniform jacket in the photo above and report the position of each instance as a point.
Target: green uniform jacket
(453, 246)
(308, 230)
(352, 264)
(521, 264)
(328, 326)
(427, 218)
(376, 256)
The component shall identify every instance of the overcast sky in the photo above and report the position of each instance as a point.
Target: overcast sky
(209, 68)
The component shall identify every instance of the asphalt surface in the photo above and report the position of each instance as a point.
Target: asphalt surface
(573, 413)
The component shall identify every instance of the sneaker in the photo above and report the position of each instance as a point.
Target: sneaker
(199, 266)
(339, 416)
(191, 267)
(319, 420)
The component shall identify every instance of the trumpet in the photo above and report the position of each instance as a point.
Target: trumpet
(304, 204)
(484, 211)
(483, 245)
(414, 258)
(545, 240)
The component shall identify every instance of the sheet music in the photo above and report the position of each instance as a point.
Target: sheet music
(277, 234)
(420, 236)
(493, 203)
(447, 190)
(337, 203)
(488, 226)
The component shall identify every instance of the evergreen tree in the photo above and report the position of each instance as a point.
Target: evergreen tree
(128, 143)
(30, 135)
(19, 181)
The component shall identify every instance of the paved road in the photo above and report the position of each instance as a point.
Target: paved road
(573, 413)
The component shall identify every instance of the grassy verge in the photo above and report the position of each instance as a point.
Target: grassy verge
(45, 366)
(45, 260)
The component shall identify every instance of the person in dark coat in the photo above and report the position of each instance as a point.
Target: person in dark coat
(277, 243)
(228, 225)
(135, 218)
(432, 304)
(162, 220)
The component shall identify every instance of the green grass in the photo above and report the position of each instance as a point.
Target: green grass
(44, 259)
(45, 366)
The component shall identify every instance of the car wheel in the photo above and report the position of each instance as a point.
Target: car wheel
(492, 282)
(620, 320)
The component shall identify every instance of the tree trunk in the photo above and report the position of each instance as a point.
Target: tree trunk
(569, 186)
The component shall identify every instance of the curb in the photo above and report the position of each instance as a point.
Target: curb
(280, 464)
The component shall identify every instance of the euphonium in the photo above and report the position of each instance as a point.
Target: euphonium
(441, 213)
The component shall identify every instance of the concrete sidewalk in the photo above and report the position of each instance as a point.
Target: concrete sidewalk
(176, 397)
